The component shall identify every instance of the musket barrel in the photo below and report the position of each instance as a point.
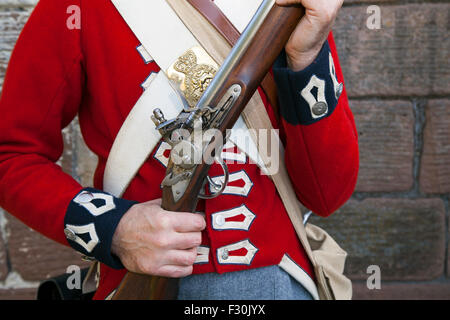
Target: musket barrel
(236, 53)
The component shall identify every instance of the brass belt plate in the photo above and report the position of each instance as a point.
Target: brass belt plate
(193, 72)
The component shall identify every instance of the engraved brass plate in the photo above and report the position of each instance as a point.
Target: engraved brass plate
(193, 72)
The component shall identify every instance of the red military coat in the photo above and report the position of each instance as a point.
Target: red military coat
(95, 72)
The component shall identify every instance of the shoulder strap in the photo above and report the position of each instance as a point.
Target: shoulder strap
(209, 10)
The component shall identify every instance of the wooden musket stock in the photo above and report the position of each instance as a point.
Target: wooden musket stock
(265, 47)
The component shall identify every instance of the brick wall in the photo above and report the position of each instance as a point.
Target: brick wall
(398, 80)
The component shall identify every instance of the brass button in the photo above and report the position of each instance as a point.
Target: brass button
(320, 108)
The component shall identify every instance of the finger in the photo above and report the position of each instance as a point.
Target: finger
(188, 222)
(173, 271)
(157, 202)
(287, 2)
(181, 258)
(186, 240)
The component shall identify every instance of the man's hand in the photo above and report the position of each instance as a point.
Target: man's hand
(153, 241)
(311, 32)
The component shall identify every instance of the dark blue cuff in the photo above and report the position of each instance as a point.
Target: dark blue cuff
(90, 222)
(309, 95)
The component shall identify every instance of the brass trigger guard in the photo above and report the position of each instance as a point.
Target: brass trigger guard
(216, 186)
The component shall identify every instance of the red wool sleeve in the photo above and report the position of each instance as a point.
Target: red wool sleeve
(41, 95)
(322, 158)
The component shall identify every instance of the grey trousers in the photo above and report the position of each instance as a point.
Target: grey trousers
(268, 283)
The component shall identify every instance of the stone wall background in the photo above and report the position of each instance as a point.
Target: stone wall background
(397, 78)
